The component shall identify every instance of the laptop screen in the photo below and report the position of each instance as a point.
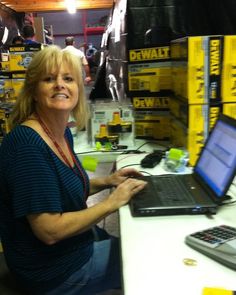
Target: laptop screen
(217, 162)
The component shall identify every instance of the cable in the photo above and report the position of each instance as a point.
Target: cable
(142, 171)
(129, 165)
(228, 203)
(148, 142)
(91, 152)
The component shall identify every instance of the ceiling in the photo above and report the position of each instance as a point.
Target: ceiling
(54, 5)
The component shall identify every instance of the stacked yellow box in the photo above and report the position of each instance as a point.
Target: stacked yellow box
(149, 70)
(228, 90)
(196, 84)
(152, 117)
(20, 57)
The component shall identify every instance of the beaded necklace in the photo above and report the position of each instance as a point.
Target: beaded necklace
(78, 172)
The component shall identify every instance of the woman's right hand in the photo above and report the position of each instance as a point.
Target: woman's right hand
(125, 191)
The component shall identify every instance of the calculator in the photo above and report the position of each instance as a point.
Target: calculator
(218, 243)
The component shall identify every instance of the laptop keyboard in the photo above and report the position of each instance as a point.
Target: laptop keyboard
(172, 191)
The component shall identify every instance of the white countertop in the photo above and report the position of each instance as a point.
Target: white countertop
(153, 249)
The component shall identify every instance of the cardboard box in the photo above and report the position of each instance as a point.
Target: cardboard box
(5, 66)
(229, 109)
(5, 85)
(102, 113)
(188, 137)
(157, 128)
(18, 80)
(229, 70)
(197, 68)
(149, 70)
(21, 56)
(152, 77)
(213, 114)
(215, 56)
(150, 115)
(5, 110)
(202, 117)
(189, 69)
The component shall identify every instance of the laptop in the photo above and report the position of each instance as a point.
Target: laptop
(200, 192)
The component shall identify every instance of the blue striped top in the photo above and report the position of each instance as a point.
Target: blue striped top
(34, 180)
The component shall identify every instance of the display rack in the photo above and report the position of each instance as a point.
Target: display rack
(90, 30)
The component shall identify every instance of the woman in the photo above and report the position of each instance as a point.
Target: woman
(46, 227)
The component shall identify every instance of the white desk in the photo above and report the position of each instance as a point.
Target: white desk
(153, 250)
(83, 148)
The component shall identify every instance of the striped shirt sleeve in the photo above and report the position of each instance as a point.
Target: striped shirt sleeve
(33, 182)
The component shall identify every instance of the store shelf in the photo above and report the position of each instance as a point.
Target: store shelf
(94, 30)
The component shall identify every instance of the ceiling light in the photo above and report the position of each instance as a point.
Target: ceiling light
(71, 6)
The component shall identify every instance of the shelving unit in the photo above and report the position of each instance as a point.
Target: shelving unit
(90, 30)
(94, 30)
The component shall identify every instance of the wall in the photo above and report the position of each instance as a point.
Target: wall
(65, 24)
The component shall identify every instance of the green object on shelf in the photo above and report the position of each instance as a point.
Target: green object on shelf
(175, 154)
(90, 163)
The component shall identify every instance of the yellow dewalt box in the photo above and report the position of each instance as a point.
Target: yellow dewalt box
(190, 137)
(153, 129)
(213, 78)
(150, 115)
(175, 107)
(191, 129)
(178, 78)
(229, 109)
(228, 89)
(196, 68)
(176, 48)
(4, 62)
(151, 102)
(5, 110)
(18, 80)
(213, 114)
(188, 71)
(149, 70)
(204, 115)
(191, 124)
(186, 113)
(5, 66)
(152, 77)
(5, 85)
(21, 56)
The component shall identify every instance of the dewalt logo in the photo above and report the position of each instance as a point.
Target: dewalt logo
(213, 116)
(15, 49)
(215, 57)
(150, 102)
(155, 53)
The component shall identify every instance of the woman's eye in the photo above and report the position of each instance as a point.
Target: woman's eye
(68, 79)
(48, 79)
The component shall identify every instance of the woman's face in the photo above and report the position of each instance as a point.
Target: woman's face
(57, 90)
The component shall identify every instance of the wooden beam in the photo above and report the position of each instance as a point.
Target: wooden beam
(55, 5)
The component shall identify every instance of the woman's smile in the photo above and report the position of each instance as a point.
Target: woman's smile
(60, 96)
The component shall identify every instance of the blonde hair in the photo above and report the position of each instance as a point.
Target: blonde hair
(43, 62)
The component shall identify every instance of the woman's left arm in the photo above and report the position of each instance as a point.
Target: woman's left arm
(100, 183)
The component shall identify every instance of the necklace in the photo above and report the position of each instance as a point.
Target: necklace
(79, 171)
